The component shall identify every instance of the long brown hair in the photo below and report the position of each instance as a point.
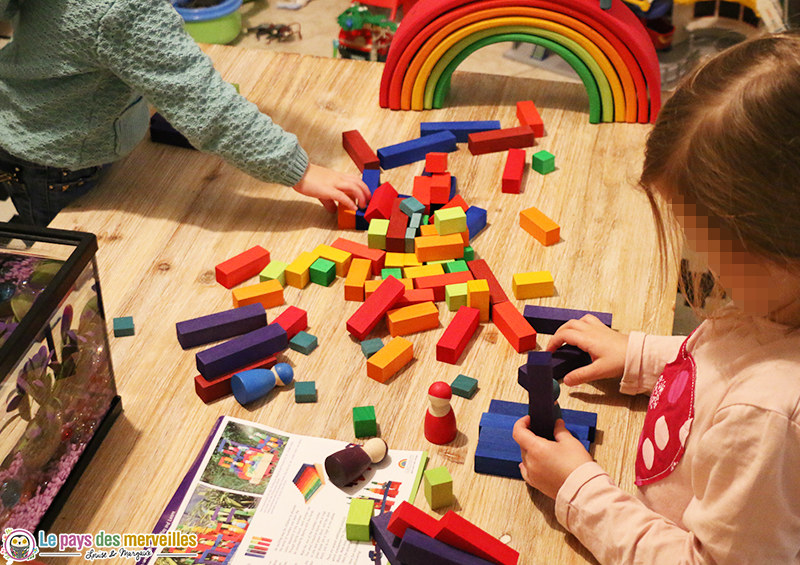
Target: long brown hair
(729, 140)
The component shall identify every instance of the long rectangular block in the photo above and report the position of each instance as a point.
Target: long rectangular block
(500, 140)
(372, 178)
(412, 319)
(415, 296)
(374, 308)
(542, 228)
(460, 129)
(547, 320)
(528, 115)
(497, 454)
(418, 549)
(372, 285)
(513, 326)
(359, 150)
(208, 391)
(339, 257)
(408, 516)
(439, 247)
(240, 351)
(423, 271)
(220, 326)
(376, 256)
(538, 284)
(480, 270)
(268, 294)
(396, 232)
(360, 271)
(242, 267)
(539, 383)
(390, 359)
(462, 534)
(458, 333)
(297, 273)
(293, 320)
(439, 282)
(345, 218)
(415, 150)
(384, 539)
(513, 172)
(380, 205)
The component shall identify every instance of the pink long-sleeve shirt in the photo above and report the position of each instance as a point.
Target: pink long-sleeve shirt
(734, 497)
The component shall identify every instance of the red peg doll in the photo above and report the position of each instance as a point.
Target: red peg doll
(440, 420)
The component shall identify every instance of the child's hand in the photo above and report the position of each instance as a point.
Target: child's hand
(331, 187)
(547, 464)
(607, 348)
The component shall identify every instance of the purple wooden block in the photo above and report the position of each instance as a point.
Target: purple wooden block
(419, 549)
(385, 540)
(222, 325)
(539, 383)
(241, 351)
(567, 358)
(546, 320)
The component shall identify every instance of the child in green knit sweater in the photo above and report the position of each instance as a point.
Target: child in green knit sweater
(74, 85)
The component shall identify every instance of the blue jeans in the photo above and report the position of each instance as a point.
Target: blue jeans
(40, 192)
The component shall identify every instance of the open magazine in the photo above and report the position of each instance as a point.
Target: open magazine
(259, 496)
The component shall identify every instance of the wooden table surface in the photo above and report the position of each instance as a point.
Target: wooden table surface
(164, 217)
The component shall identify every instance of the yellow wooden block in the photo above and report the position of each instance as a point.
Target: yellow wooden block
(438, 247)
(410, 260)
(339, 258)
(478, 296)
(394, 260)
(545, 230)
(413, 319)
(371, 285)
(423, 271)
(269, 293)
(537, 284)
(297, 272)
(360, 272)
(389, 359)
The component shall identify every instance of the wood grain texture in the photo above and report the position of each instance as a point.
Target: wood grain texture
(165, 217)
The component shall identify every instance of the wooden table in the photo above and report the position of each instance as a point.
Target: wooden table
(165, 217)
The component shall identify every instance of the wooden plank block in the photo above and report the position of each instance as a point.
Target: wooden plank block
(545, 230)
(416, 296)
(390, 359)
(293, 320)
(423, 271)
(528, 115)
(359, 150)
(339, 257)
(462, 534)
(221, 325)
(513, 326)
(409, 516)
(268, 294)
(360, 271)
(297, 273)
(439, 282)
(450, 220)
(208, 391)
(396, 233)
(374, 308)
(412, 319)
(376, 256)
(479, 297)
(500, 140)
(439, 247)
(372, 285)
(539, 383)
(538, 284)
(418, 549)
(242, 266)
(480, 270)
(458, 333)
(384, 539)
(546, 319)
(513, 172)
(240, 351)
(461, 129)
(415, 150)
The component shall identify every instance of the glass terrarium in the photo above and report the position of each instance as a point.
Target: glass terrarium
(57, 390)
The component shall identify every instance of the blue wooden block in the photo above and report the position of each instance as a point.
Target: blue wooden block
(222, 325)
(460, 129)
(418, 549)
(303, 342)
(411, 206)
(370, 347)
(546, 319)
(498, 421)
(241, 351)
(372, 178)
(453, 186)
(476, 220)
(517, 409)
(384, 539)
(579, 418)
(496, 456)
(415, 150)
(538, 381)
(361, 222)
(123, 326)
(305, 391)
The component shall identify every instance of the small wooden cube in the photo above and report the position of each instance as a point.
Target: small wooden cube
(305, 391)
(365, 423)
(438, 487)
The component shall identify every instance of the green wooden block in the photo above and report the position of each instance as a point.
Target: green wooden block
(276, 270)
(438, 487)
(370, 347)
(450, 220)
(394, 272)
(322, 272)
(455, 296)
(303, 342)
(123, 326)
(543, 162)
(469, 253)
(364, 421)
(464, 386)
(305, 391)
(376, 233)
(457, 266)
(358, 519)
(426, 219)
(411, 206)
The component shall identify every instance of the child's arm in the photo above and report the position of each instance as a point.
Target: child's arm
(8, 9)
(144, 44)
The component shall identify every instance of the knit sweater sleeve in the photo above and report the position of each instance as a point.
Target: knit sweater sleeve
(8, 8)
(145, 45)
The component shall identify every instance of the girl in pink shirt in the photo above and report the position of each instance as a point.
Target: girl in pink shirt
(718, 460)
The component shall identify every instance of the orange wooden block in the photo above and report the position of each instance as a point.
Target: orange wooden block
(371, 285)
(360, 272)
(545, 230)
(389, 359)
(415, 296)
(528, 115)
(345, 218)
(514, 327)
(413, 319)
(269, 293)
(439, 247)
(428, 230)
(479, 297)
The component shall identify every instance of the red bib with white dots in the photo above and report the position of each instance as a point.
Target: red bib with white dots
(668, 420)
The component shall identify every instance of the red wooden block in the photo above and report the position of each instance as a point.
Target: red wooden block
(512, 174)
(422, 192)
(345, 219)
(440, 188)
(457, 201)
(500, 140)
(416, 296)
(465, 535)
(375, 307)
(409, 516)
(438, 282)
(528, 115)
(359, 150)
(208, 391)
(242, 267)
(380, 205)
(455, 338)
(513, 325)
(377, 256)
(480, 270)
(396, 234)
(293, 320)
(436, 162)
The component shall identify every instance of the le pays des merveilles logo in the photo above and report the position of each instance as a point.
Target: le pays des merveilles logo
(18, 545)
